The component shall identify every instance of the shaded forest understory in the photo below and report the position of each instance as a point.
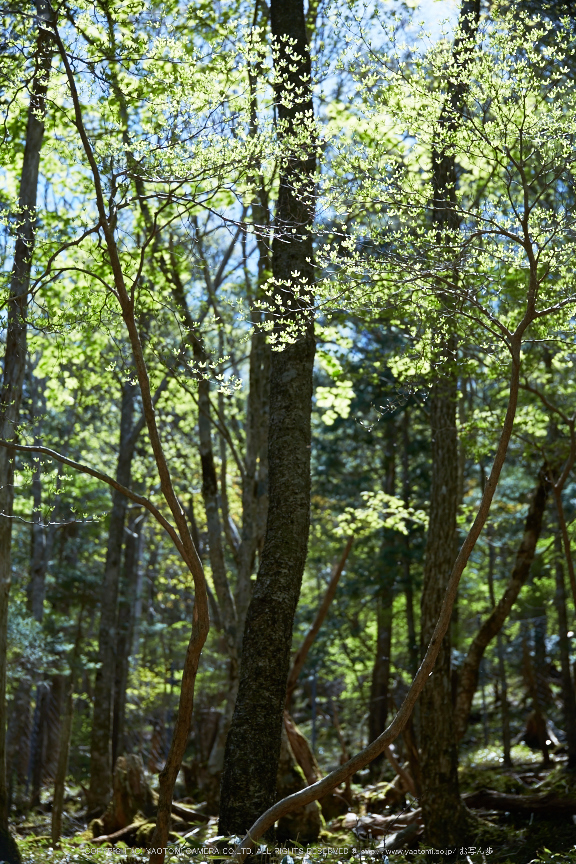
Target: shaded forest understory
(526, 813)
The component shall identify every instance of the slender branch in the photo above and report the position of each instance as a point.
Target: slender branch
(401, 772)
(546, 402)
(105, 478)
(62, 248)
(141, 422)
(302, 652)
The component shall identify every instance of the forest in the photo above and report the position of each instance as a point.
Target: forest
(288, 431)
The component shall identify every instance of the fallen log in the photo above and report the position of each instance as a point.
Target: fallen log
(376, 824)
(402, 837)
(184, 816)
(130, 832)
(188, 814)
(549, 803)
(122, 834)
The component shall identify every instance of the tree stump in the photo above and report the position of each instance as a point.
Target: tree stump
(131, 795)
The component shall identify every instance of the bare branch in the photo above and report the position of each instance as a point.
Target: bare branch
(105, 478)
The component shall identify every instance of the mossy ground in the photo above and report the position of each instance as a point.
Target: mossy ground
(502, 838)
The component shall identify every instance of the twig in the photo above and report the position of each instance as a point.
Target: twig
(302, 652)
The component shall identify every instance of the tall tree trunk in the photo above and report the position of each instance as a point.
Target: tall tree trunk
(18, 739)
(56, 703)
(444, 814)
(20, 723)
(38, 742)
(445, 817)
(542, 691)
(504, 708)
(213, 521)
(491, 626)
(50, 700)
(536, 724)
(65, 735)
(255, 473)
(101, 736)
(378, 710)
(253, 744)
(407, 575)
(15, 354)
(381, 669)
(537, 677)
(254, 509)
(568, 699)
(255, 480)
(62, 767)
(20, 727)
(126, 621)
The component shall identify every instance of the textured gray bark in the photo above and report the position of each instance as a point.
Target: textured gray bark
(15, 355)
(255, 480)
(445, 817)
(253, 745)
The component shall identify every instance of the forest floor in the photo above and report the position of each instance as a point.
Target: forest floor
(371, 830)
